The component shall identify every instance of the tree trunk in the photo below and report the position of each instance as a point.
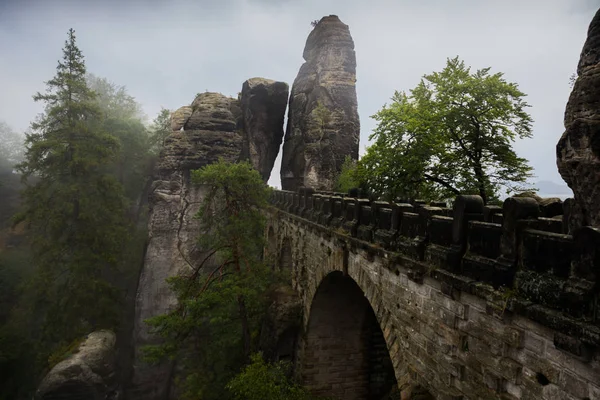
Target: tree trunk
(246, 336)
(480, 182)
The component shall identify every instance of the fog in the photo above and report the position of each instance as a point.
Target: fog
(166, 52)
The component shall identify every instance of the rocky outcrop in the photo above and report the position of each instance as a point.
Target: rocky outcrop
(87, 374)
(214, 126)
(212, 131)
(263, 103)
(179, 117)
(578, 150)
(323, 126)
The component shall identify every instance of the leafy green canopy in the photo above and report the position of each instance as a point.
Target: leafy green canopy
(123, 118)
(74, 209)
(221, 297)
(451, 134)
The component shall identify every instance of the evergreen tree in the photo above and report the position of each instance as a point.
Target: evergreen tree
(221, 298)
(74, 209)
(159, 130)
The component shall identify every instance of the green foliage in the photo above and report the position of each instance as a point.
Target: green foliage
(262, 381)
(452, 134)
(321, 116)
(74, 208)
(65, 351)
(221, 298)
(11, 147)
(159, 130)
(17, 347)
(349, 177)
(114, 100)
(86, 151)
(123, 118)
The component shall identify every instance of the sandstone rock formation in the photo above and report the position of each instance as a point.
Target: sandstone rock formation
(578, 150)
(263, 103)
(210, 132)
(323, 126)
(88, 374)
(214, 126)
(179, 117)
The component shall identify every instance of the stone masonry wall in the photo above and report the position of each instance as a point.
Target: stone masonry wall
(469, 308)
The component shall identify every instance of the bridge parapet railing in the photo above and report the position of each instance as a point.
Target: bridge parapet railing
(522, 246)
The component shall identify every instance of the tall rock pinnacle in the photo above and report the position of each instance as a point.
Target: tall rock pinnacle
(263, 103)
(323, 126)
(578, 150)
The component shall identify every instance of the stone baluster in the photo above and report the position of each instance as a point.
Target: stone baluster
(466, 208)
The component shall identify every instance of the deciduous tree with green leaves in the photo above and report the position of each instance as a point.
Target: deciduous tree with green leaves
(123, 118)
(349, 176)
(221, 298)
(451, 134)
(74, 209)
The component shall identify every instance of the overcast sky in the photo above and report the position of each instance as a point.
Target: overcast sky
(165, 52)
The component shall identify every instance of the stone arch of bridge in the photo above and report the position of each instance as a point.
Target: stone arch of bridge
(330, 279)
(344, 352)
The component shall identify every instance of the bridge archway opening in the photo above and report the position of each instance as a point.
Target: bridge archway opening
(345, 353)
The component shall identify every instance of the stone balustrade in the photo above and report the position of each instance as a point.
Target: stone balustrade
(519, 250)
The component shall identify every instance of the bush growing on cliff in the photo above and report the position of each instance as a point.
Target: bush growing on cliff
(221, 297)
(451, 134)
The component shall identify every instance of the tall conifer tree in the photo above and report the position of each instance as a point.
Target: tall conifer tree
(73, 206)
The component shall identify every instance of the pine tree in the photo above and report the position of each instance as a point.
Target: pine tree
(74, 208)
(159, 130)
(222, 297)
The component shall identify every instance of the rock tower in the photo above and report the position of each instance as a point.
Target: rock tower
(323, 126)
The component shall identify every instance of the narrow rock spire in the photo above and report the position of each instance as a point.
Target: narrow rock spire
(323, 126)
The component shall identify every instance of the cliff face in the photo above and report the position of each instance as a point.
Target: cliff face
(211, 130)
(578, 150)
(323, 126)
(213, 127)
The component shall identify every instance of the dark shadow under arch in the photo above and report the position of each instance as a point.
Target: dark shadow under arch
(345, 354)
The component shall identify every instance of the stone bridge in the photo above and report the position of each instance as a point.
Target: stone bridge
(469, 302)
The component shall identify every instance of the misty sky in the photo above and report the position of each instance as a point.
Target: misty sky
(165, 52)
